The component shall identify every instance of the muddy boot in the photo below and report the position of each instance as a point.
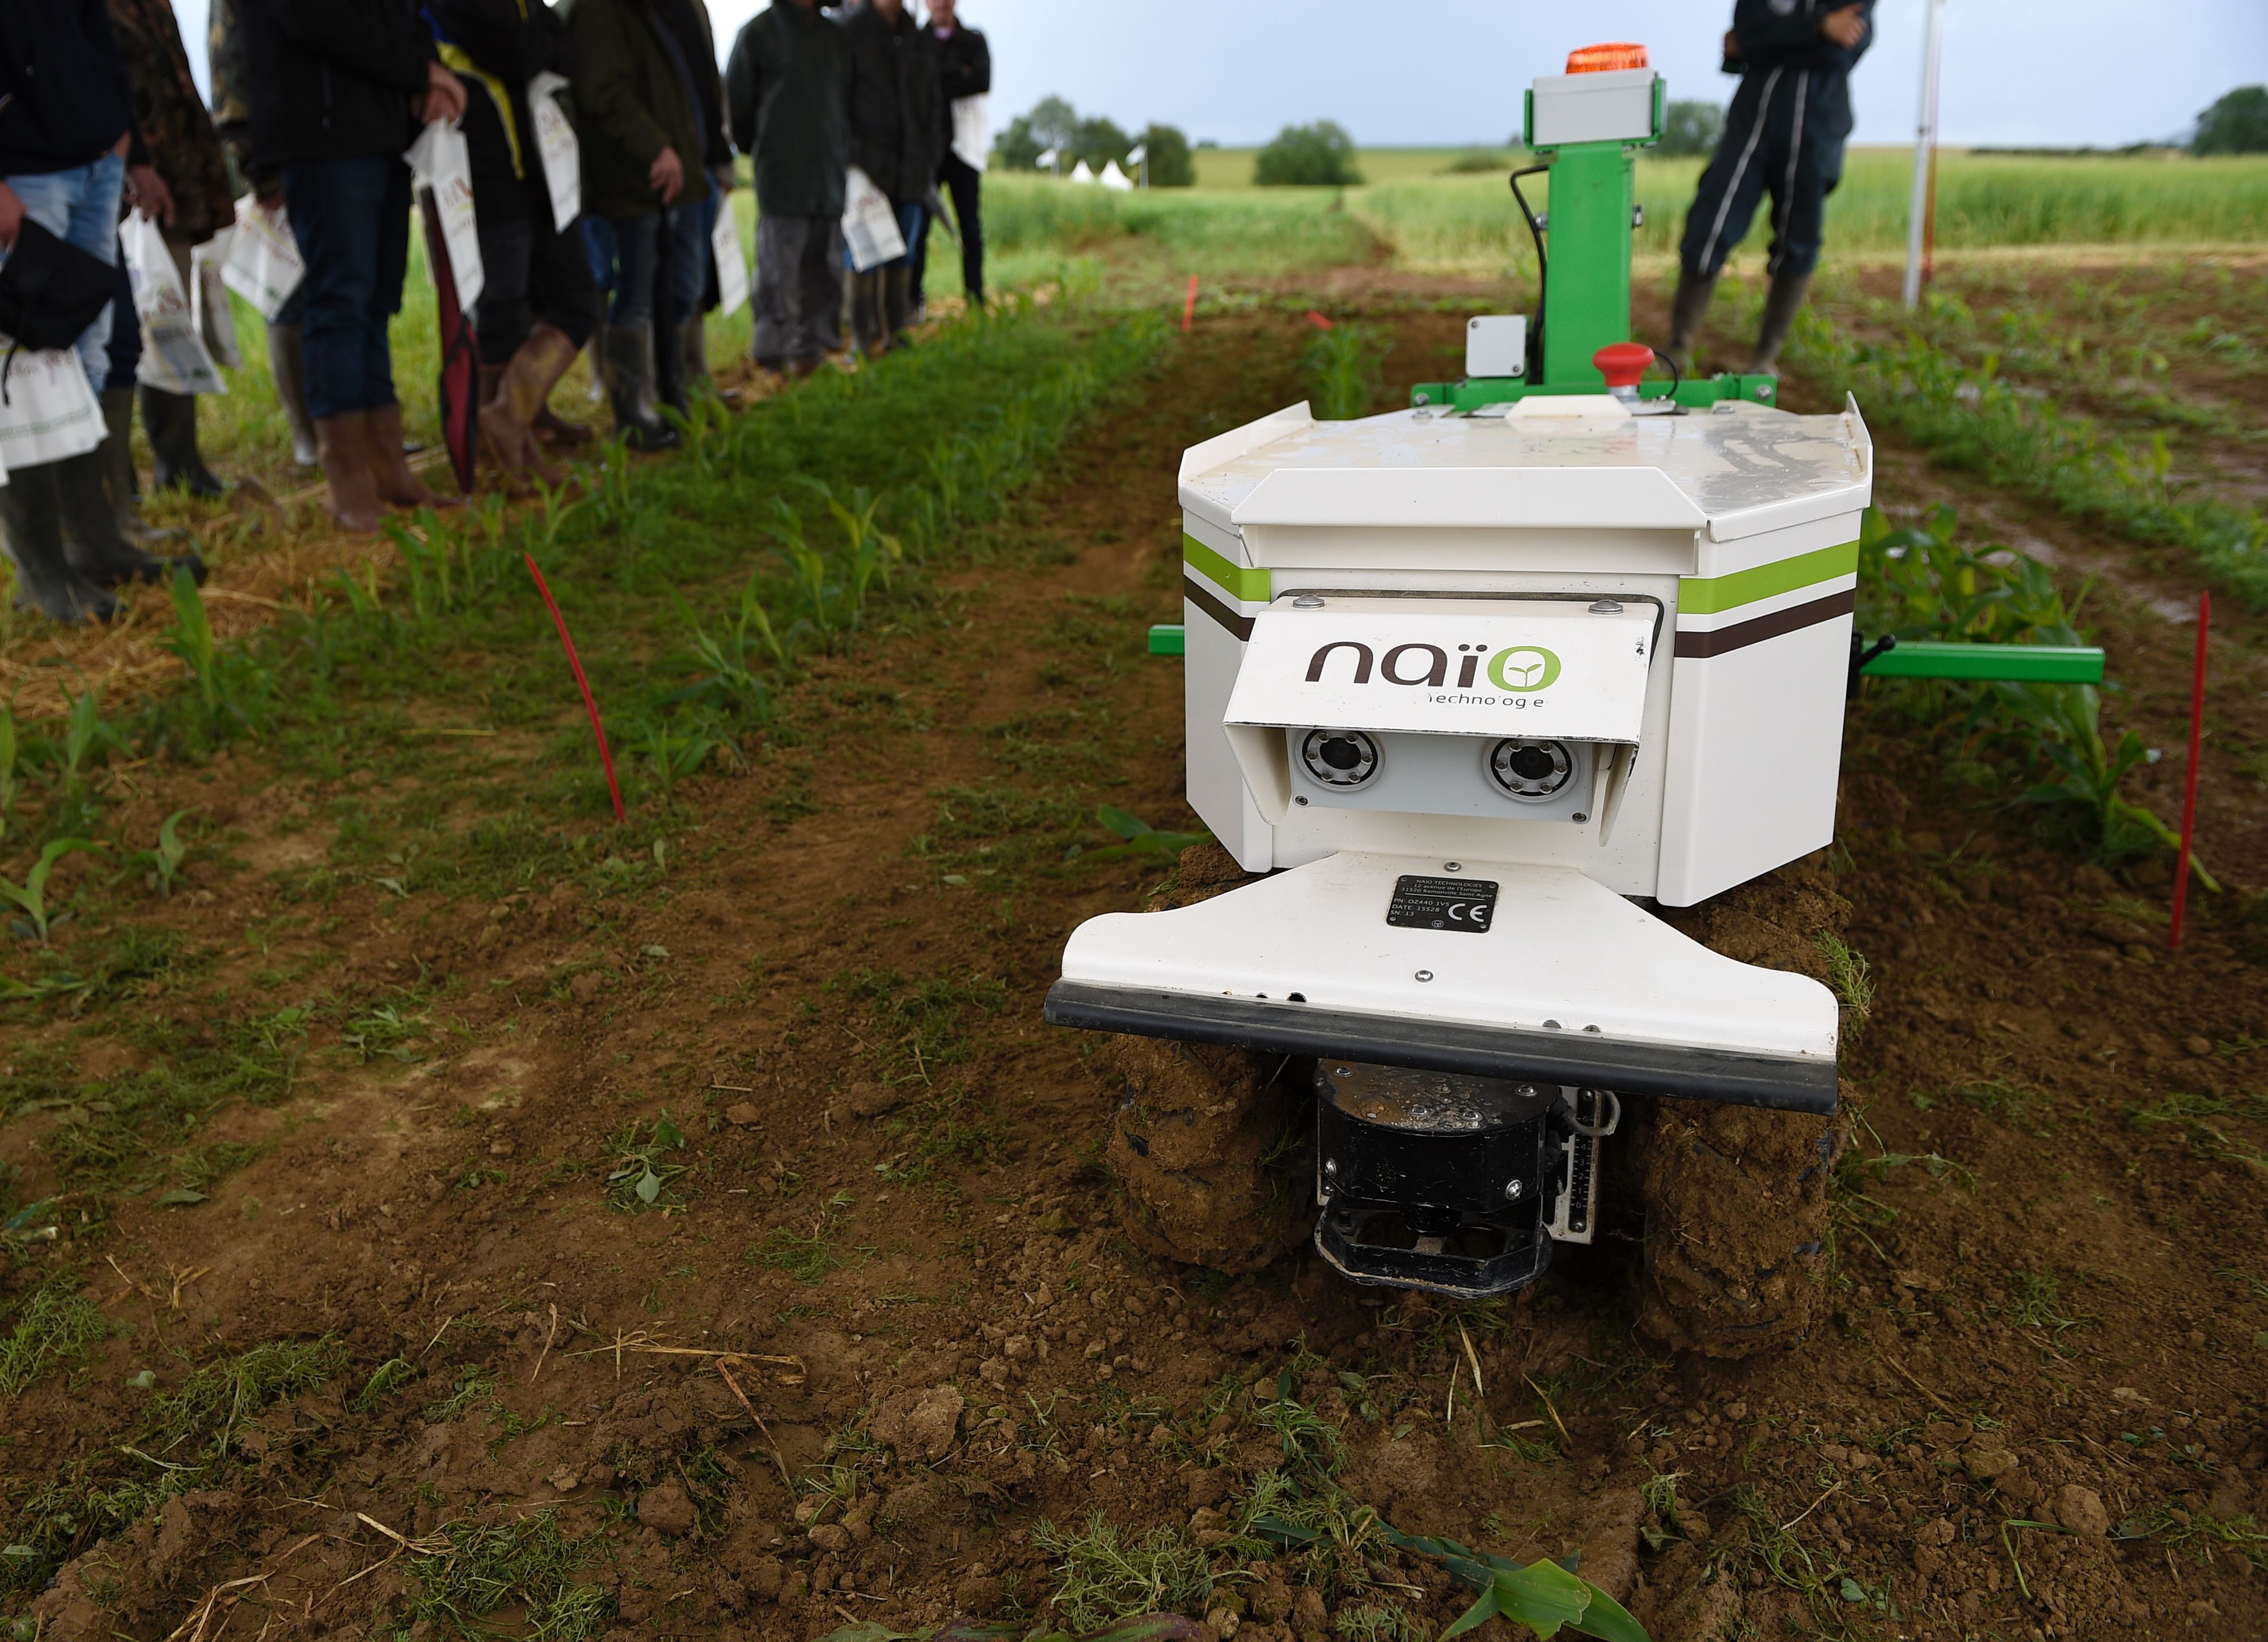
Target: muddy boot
(869, 321)
(343, 445)
(119, 488)
(390, 473)
(31, 522)
(92, 543)
(1782, 303)
(695, 335)
(898, 302)
(288, 365)
(628, 351)
(170, 422)
(1687, 310)
(508, 419)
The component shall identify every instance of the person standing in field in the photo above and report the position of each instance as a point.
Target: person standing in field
(897, 132)
(69, 150)
(1783, 136)
(338, 89)
(539, 304)
(686, 23)
(964, 70)
(186, 154)
(638, 122)
(231, 112)
(787, 90)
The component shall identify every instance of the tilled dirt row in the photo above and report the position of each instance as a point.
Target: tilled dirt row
(860, 1333)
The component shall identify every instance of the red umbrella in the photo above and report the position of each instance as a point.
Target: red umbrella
(460, 369)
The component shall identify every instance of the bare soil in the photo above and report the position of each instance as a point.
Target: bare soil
(2027, 1403)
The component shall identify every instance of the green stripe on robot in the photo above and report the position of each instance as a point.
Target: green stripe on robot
(1249, 586)
(1707, 595)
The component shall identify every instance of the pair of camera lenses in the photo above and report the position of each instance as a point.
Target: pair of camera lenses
(1521, 767)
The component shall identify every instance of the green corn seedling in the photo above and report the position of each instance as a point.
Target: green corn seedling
(192, 640)
(162, 866)
(1344, 364)
(30, 897)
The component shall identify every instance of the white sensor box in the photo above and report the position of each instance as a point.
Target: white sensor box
(1496, 344)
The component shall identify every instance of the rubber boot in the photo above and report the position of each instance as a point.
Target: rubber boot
(119, 488)
(508, 416)
(288, 365)
(92, 543)
(170, 422)
(1687, 310)
(666, 368)
(869, 321)
(342, 446)
(693, 335)
(898, 302)
(626, 353)
(31, 522)
(1782, 303)
(389, 464)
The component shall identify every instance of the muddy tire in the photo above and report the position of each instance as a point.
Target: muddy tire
(1736, 1252)
(1207, 1142)
(1207, 1148)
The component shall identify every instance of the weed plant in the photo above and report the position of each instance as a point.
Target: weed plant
(1102, 1575)
(53, 1331)
(1923, 582)
(529, 1565)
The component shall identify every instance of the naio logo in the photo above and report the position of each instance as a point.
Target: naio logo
(1520, 670)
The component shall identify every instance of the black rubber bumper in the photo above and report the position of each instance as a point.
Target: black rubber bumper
(1782, 1083)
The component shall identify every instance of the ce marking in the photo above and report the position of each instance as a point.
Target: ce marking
(1477, 917)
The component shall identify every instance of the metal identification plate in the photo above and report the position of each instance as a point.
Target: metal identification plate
(1465, 904)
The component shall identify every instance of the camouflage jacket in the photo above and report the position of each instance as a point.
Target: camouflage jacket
(173, 117)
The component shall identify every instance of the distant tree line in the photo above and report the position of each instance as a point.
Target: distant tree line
(1054, 124)
(2237, 124)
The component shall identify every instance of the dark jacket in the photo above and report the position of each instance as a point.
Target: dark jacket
(964, 69)
(333, 79)
(688, 21)
(964, 64)
(897, 107)
(1785, 34)
(172, 117)
(631, 102)
(787, 91)
(59, 61)
(496, 46)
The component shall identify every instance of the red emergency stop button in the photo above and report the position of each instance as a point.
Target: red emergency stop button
(1606, 57)
(1623, 364)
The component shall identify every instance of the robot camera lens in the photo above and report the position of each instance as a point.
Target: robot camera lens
(1339, 758)
(1530, 769)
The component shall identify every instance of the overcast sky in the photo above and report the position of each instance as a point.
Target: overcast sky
(2049, 72)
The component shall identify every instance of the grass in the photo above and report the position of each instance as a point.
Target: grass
(528, 1565)
(1102, 1575)
(53, 1331)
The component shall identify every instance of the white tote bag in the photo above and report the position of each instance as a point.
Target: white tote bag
(209, 301)
(47, 408)
(556, 143)
(731, 261)
(869, 224)
(174, 358)
(263, 264)
(439, 160)
(972, 129)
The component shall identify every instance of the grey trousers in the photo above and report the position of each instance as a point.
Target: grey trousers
(799, 297)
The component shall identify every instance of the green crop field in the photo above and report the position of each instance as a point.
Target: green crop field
(1416, 209)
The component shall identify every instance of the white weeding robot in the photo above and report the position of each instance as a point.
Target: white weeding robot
(1470, 684)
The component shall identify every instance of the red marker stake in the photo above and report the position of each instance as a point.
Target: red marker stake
(589, 703)
(2189, 796)
(1190, 305)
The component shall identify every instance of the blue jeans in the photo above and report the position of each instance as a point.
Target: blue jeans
(81, 205)
(351, 218)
